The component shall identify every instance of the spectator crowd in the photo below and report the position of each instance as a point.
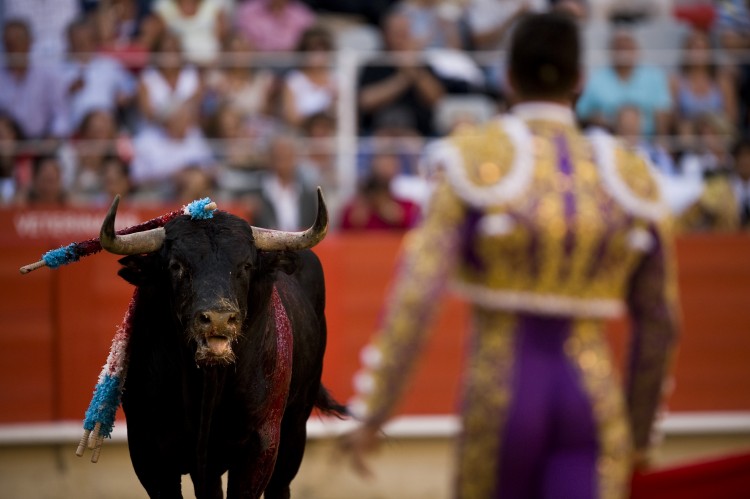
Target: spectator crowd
(172, 100)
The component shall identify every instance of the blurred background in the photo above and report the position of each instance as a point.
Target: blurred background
(256, 102)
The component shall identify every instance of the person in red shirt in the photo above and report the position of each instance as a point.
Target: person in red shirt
(374, 206)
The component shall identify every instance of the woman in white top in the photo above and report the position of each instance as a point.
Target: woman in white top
(168, 82)
(310, 89)
(241, 83)
(199, 24)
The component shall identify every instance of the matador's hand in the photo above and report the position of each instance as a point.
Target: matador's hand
(358, 444)
(641, 460)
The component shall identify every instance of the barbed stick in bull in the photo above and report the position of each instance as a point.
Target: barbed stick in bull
(100, 415)
(200, 208)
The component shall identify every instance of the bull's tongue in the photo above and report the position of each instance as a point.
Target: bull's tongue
(219, 345)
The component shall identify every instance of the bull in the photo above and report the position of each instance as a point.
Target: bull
(226, 353)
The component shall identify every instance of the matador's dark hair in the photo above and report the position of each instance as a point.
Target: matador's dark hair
(545, 55)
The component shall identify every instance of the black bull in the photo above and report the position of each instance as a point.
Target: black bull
(220, 329)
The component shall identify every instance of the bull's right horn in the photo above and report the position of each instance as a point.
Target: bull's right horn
(279, 240)
(128, 244)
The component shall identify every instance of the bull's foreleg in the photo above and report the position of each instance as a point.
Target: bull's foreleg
(208, 487)
(249, 475)
(158, 482)
(156, 470)
(291, 450)
(248, 480)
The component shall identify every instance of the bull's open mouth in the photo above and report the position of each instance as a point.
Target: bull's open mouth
(218, 344)
(215, 349)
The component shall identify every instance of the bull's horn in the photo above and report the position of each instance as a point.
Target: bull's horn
(277, 240)
(128, 244)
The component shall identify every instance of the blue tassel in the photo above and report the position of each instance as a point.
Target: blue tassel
(61, 256)
(103, 406)
(196, 209)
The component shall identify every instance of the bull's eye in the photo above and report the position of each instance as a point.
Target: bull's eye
(245, 269)
(176, 268)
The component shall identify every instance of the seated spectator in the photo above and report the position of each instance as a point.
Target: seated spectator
(732, 28)
(273, 25)
(200, 26)
(237, 146)
(46, 22)
(311, 89)
(374, 206)
(628, 127)
(115, 180)
(241, 84)
(431, 25)
(578, 9)
(489, 22)
(700, 86)
(46, 187)
(396, 135)
(162, 152)
(408, 88)
(710, 152)
(287, 200)
(83, 156)
(716, 208)
(740, 179)
(194, 183)
(123, 33)
(93, 81)
(626, 82)
(487, 25)
(15, 165)
(168, 82)
(733, 24)
(31, 93)
(241, 149)
(319, 156)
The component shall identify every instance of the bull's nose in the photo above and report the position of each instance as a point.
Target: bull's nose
(216, 322)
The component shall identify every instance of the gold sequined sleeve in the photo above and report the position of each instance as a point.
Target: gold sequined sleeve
(428, 259)
(654, 311)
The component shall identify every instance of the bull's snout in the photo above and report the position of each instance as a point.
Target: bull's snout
(215, 330)
(213, 322)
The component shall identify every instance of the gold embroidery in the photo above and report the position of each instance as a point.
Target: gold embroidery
(487, 152)
(588, 350)
(635, 173)
(486, 396)
(532, 257)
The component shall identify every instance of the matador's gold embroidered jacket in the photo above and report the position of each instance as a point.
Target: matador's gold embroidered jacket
(531, 216)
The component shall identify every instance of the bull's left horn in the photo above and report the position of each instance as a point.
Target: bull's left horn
(277, 240)
(129, 244)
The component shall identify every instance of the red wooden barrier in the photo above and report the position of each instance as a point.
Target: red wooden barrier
(56, 326)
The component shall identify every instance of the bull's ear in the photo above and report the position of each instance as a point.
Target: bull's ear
(138, 269)
(286, 261)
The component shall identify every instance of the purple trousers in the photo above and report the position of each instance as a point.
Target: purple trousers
(549, 442)
(543, 414)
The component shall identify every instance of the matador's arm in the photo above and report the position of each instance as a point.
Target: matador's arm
(429, 256)
(653, 306)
